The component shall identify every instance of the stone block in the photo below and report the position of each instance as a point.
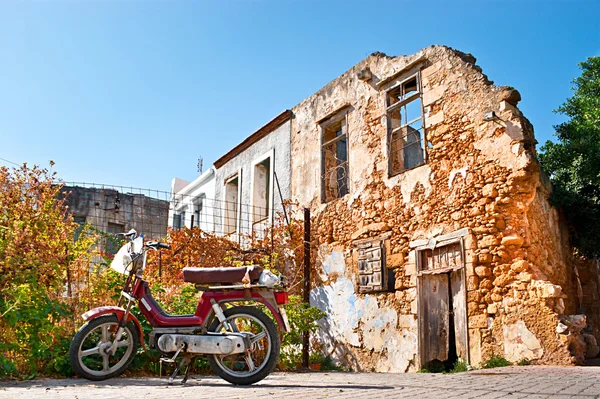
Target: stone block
(520, 265)
(512, 240)
(376, 227)
(478, 321)
(496, 297)
(485, 258)
(395, 260)
(434, 119)
(503, 281)
(488, 241)
(548, 290)
(399, 284)
(524, 276)
(483, 271)
(431, 96)
(489, 191)
(575, 322)
(472, 283)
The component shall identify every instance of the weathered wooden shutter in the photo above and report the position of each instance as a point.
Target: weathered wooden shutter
(371, 266)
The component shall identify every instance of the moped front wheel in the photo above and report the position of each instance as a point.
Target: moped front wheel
(260, 359)
(91, 353)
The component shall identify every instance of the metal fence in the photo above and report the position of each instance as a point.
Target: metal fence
(116, 209)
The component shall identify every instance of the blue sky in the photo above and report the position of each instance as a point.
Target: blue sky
(133, 92)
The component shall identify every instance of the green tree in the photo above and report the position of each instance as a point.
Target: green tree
(573, 162)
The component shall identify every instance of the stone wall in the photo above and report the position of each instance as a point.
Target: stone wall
(481, 179)
(101, 206)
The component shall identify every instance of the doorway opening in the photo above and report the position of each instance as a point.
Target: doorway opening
(442, 308)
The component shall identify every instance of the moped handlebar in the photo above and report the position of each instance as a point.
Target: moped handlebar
(131, 234)
(156, 245)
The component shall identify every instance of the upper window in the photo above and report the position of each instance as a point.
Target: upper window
(261, 191)
(199, 216)
(405, 126)
(178, 220)
(334, 158)
(230, 222)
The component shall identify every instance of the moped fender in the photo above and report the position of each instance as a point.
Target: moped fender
(117, 311)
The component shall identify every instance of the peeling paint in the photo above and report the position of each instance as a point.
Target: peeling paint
(520, 343)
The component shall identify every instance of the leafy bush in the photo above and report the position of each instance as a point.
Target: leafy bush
(328, 364)
(495, 361)
(524, 362)
(40, 262)
(303, 318)
(460, 366)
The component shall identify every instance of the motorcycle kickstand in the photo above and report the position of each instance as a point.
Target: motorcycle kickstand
(184, 362)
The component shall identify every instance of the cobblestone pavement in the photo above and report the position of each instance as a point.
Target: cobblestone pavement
(509, 382)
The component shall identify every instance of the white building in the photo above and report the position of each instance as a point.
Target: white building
(192, 204)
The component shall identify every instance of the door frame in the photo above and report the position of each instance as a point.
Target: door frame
(418, 246)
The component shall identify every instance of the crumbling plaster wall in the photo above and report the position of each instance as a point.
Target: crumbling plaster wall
(480, 175)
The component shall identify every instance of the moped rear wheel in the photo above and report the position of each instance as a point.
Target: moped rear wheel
(256, 363)
(90, 354)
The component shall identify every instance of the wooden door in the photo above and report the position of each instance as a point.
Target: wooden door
(433, 317)
(459, 304)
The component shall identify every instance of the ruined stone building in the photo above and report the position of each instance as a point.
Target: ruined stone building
(432, 233)
(111, 211)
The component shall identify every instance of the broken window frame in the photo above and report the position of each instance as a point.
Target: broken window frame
(366, 273)
(400, 106)
(421, 251)
(340, 117)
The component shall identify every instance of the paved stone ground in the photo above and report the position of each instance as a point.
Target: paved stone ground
(510, 382)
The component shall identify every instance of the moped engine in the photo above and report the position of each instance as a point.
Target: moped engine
(204, 344)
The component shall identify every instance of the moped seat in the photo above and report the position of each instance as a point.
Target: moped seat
(221, 275)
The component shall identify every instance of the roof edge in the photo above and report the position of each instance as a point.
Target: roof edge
(254, 137)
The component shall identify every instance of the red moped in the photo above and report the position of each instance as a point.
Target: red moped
(242, 343)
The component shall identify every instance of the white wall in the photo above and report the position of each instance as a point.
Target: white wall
(186, 200)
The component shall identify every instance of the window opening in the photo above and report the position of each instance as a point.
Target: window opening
(335, 159)
(444, 257)
(231, 205)
(198, 206)
(178, 221)
(405, 126)
(112, 243)
(261, 191)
